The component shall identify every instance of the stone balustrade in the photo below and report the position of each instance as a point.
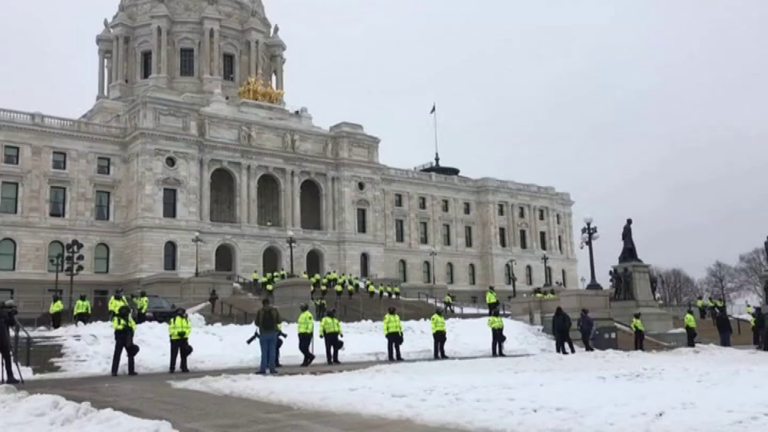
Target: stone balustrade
(38, 119)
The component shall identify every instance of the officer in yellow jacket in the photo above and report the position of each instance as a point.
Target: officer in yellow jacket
(330, 330)
(82, 312)
(491, 300)
(393, 330)
(179, 328)
(438, 334)
(339, 290)
(116, 302)
(125, 328)
(690, 328)
(142, 304)
(497, 334)
(306, 333)
(448, 303)
(639, 329)
(701, 307)
(371, 289)
(55, 310)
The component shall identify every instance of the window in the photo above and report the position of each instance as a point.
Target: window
(187, 62)
(146, 64)
(11, 155)
(446, 206)
(468, 236)
(449, 274)
(557, 216)
(508, 274)
(55, 256)
(523, 239)
(467, 208)
(521, 212)
(229, 67)
(543, 240)
(103, 166)
(170, 162)
(169, 256)
(364, 265)
(59, 161)
(399, 230)
(58, 200)
(560, 243)
(426, 273)
(471, 274)
(422, 203)
(361, 221)
(169, 203)
(446, 235)
(6, 294)
(402, 271)
(7, 255)
(101, 259)
(424, 233)
(502, 237)
(529, 275)
(500, 209)
(9, 198)
(562, 273)
(361, 186)
(398, 200)
(102, 206)
(541, 214)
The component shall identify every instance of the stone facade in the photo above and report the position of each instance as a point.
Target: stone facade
(244, 174)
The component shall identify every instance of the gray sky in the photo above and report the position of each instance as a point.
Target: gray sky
(650, 109)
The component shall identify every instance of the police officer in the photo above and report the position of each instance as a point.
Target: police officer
(306, 333)
(448, 303)
(55, 310)
(82, 312)
(690, 328)
(116, 302)
(7, 321)
(393, 330)
(125, 328)
(179, 329)
(438, 334)
(497, 334)
(330, 330)
(639, 329)
(491, 300)
(371, 289)
(142, 304)
(339, 290)
(701, 307)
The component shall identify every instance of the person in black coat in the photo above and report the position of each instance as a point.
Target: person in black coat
(7, 321)
(759, 327)
(561, 328)
(585, 326)
(724, 328)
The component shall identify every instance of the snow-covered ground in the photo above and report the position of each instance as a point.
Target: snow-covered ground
(702, 389)
(21, 412)
(87, 350)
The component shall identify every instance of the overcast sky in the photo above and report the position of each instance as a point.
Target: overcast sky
(651, 109)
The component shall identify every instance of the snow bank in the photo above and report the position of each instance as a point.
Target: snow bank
(703, 389)
(87, 350)
(21, 412)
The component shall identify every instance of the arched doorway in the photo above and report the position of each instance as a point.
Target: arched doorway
(272, 260)
(364, 266)
(268, 200)
(314, 263)
(225, 259)
(223, 201)
(311, 206)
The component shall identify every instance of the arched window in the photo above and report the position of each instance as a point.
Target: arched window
(508, 274)
(101, 259)
(402, 271)
(471, 274)
(55, 248)
(449, 274)
(529, 275)
(7, 255)
(169, 256)
(426, 273)
(364, 266)
(565, 284)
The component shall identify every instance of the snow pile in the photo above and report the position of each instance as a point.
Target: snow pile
(21, 412)
(702, 389)
(87, 350)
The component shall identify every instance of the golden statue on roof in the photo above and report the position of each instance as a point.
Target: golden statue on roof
(256, 89)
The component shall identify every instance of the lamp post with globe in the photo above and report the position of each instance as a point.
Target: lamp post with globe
(588, 235)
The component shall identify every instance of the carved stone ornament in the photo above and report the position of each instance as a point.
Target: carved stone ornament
(170, 181)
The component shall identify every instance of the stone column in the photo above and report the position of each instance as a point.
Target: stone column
(296, 201)
(252, 194)
(205, 55)
(216, 49)
(109, 68)
(121, 60)
(252, 57)
(115, 59)
(164, 51)
(243, 194)
(205, 182)
(280, 63)
(155, 51)
(325, 223)
(101, 74)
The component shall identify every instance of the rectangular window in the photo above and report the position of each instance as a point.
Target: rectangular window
(560, 243)
(523, 239)
(6, 294)
(446, 206)
(500, 209)
(229, 67)
(59, 161)
(58, 200)
(399, 230)
(169, 203)
(423, 233)
(398, 200)
(446, 235)
(102, 206)
(502, 237)
(361, 221)
(521, 212)
(467, 208)
(543, 240)
(146, 64)
(557, 216)
(422, 203)
(187, 62)
(468, 236)
(9, 198)
(11, 155)
(541, 214)
(103, 166)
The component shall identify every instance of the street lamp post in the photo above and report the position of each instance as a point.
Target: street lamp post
(588, 235)
(73, 261)
(197, 240)
(291, 243)
(433, 254)
(57, 261)
(545, 260)
(514, 277)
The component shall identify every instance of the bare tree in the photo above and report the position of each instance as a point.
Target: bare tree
(676, 287)
(720, 281)
(748, 270)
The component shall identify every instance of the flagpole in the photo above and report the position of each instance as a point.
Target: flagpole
(437, 152)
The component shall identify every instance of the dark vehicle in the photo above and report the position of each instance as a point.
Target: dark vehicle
(159, 309)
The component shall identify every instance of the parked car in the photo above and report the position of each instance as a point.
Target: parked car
(159, 309)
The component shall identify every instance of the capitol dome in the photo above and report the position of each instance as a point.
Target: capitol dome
(234, 10)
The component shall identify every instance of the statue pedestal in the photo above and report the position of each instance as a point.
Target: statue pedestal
(640, 284)
(654, 319)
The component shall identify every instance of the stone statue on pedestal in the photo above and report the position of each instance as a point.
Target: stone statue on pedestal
(628, 252)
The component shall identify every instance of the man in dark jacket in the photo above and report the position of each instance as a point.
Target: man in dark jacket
(759, 326)
(724, 328)
(7, 321)
(268, 323)
(585, 326)
(561, 328)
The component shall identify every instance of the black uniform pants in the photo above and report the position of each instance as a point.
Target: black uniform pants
(561, 340)
(585, 340)
(691, 336)
(497, 342)
(84, 318)
(397, 295)
(350, 292)
(179, 346)
(122, 341)
(755, 336)
(371, 294)
(5, 353)
(305, 340)
(702, 313)
(439, 339)
(639, 338)
(393, 346)
(56, 320)
(449, 307)
(381, 295)
(492, 307)
(332, 347)
(338, 294)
